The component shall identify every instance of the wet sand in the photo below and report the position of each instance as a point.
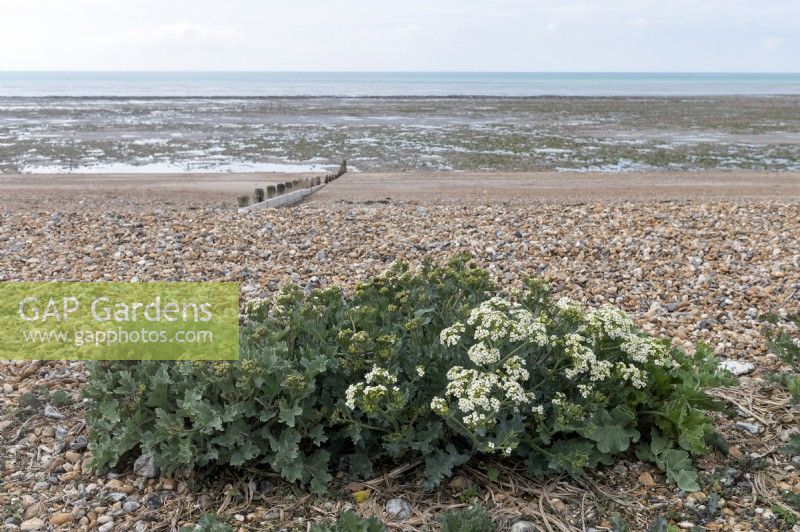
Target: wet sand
(561, 187)
(186, 191)
(67, 192)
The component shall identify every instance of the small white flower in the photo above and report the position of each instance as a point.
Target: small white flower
(380, 375)
(439, 406)
(481, 355)
(452, 335)
(350, 395)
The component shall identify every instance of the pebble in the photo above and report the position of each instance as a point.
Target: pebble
(647, 480)
(52, 412)
(398, 509)
(106, 527)
(459, 483)
(61, 518)
(79, 444)
(737, 367)
(145, 466)
(130, 506)
(558, 505)
(752, 428)
(523, 526)
(72, 457)
(32, 524)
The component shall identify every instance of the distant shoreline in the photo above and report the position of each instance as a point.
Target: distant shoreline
(393, 84)
(617, 97)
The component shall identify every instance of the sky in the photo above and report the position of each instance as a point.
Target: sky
(402, 35)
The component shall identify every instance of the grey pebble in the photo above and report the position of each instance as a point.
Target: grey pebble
(398, 509)
(749, 427)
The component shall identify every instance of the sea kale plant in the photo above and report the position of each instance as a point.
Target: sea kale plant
(437, 364)
(783, 339)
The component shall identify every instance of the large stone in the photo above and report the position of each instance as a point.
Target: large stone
(61, 518)
(737, 367)
(32, 524)
(398, 509)
(145, 466)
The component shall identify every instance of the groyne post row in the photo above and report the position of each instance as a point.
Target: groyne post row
(289, 192)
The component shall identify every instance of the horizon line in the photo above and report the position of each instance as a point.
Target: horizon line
(210, 71)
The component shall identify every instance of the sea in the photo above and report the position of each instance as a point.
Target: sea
(359, 84)
(139, 122)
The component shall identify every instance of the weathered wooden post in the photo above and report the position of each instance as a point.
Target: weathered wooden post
(244, 201)
(281, 188)
(271, 191)
(259, 195)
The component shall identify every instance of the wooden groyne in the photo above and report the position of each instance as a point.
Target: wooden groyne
(288, 192)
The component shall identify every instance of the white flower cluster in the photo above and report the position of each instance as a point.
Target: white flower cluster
(645, 349)
(584, 359)
(379, 386)
(610, 320)
(280, 309)
(632, 374)
(499, 319)
(452, 335)
(439, 406)
(490, 319)
(514, 372)
(567, 305)
(482, 355)
(558, 399)
(525, 327)
(481, 395)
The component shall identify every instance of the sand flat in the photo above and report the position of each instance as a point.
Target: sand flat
(131, 191)
(148, 191)
(558, 187)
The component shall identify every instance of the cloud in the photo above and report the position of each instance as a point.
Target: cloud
(183, 35)
(770, 44)
(639, 23)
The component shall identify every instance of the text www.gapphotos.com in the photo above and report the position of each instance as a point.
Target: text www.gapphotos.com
(82, 338)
